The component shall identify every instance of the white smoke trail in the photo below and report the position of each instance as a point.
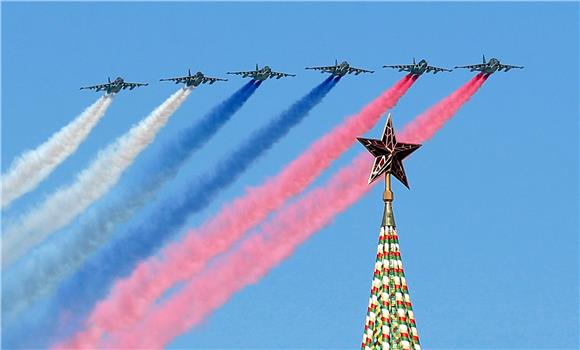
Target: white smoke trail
(28, 170)
(64, 205)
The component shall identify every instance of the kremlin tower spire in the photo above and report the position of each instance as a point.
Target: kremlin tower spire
(390, 322)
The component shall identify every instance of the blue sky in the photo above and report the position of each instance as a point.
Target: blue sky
(489, 231)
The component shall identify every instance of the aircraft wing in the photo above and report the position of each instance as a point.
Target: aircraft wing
(279, 75)
(176, 80)
(243, 74)
(100, 87)
(474, 67)
(328, 69)
(358, 71)
(211, 80)
(436, 70)
(401, 67)
(131, 86)
(507, 67)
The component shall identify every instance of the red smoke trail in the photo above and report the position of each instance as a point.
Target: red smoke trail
(130, 298)
(428, 123)
(252, 261)
(262, 252)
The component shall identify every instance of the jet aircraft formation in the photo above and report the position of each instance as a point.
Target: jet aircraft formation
(337, 70)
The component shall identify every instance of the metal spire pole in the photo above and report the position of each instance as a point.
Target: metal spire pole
(388, 197)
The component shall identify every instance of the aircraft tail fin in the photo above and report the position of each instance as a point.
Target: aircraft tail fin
(256, 67)
(109, 79)
(484, 59)
(189, 72)
(414, 61)
(335, 62)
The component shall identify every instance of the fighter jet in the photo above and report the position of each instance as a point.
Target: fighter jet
(489, 67)
(193, 80)
(418, 68)
(112, 87)
(341, 69)
(262, 74)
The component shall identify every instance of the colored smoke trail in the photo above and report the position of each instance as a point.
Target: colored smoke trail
(262, 252)
(32, 167)
(247, 265)
(428, 123)
(53, 261)
(179, 149)
(67, 203)
(119, 257)
(184, 259)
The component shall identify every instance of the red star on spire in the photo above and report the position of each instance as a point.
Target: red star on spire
(388, 153)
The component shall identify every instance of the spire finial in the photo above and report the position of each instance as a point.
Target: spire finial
(389, 155)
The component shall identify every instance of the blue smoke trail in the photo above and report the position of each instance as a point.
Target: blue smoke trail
(117, 259)
(42, 270)
(178, 150)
